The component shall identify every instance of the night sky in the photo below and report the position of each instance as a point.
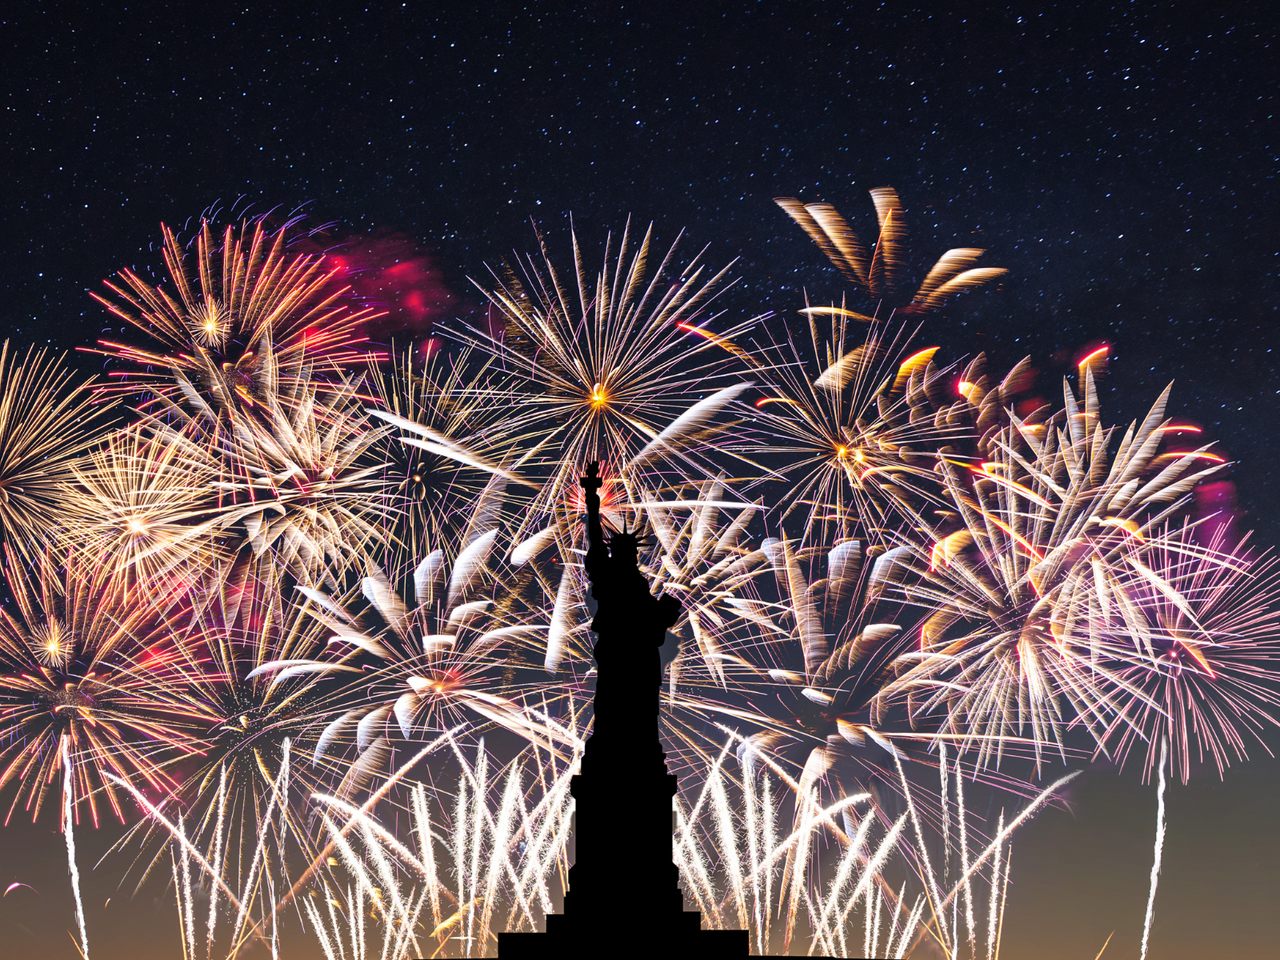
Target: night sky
(1120, 160)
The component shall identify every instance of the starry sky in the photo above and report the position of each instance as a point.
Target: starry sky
(1119, 159)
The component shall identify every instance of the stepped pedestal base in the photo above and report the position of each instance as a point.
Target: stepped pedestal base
(624, 893)
(633, 937)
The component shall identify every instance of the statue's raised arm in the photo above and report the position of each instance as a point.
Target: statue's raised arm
(591, 485)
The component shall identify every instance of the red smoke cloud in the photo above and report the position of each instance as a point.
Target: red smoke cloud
(1217, 509)
(390, 271)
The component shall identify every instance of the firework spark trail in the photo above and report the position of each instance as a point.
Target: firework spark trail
(1004, 894)
(280, 794)
(275, 937)
(753, 812)
(299, 485)
(728, 846)
(68, 819)
(240, 726)
(995, 889)
(140, 501)
(873, 911)
(217, 858)
(931, 881)
(502, 835)
(554, 818)
(364, 885)
(319, 928)
(847, 865)
(377, 836)
(368, 805)
(332, 904)
(1155, 866)
(807, 684)
(947, 935)
(177, 896)
(964, 856)
(869, 875)
(466, 816)
(827, 906)
(189, 921)
(1006, 830)
(392, 902)
(154, 812)
(690, 855)
(355, 909)
(879, 275)
(504, 867)
(909, 928)
(477, 827)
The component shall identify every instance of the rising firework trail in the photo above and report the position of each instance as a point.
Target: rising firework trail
(1155, 863)
(68, 821)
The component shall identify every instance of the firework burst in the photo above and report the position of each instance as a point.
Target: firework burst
(1202, 652)
(464, 644)
(618, 369)
(72, 668)
(301, 489)
(47, 422)
(242, 314)
(1038, 543)
(142, 503)
(448, 409)
(855, 431)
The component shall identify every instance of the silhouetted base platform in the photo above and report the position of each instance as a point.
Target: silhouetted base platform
(563, 940)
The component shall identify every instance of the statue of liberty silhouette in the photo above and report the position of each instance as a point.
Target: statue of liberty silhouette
(624, 886)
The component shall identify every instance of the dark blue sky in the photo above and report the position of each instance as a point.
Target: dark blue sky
(1120, 159)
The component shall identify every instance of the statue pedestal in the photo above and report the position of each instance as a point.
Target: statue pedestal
(624, 889)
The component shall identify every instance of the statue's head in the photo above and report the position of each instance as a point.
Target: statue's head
(624, 546)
